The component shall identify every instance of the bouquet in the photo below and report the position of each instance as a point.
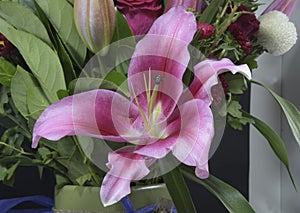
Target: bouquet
(114, 93)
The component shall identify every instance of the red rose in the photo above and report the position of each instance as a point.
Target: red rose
(140, 14)
(247, 22)
(243, 28)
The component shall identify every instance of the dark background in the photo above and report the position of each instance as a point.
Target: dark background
(230, 163)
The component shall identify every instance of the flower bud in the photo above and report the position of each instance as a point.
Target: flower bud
(95, 21)
(207, 30)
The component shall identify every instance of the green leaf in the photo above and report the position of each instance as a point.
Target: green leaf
(179, 192)
(23, 19)
(7, 71)
(60, 14)
(291, 112)
(87, 84)
(234, 109)
(118, 81)
(236, 83)
(83, 179)
(231, 198)
(122, 29)
(275, 142)
(210, 11)
(3, 99)
(36, 101)
(122, 40)
(40, 58)
(66, 62)
(27, 96)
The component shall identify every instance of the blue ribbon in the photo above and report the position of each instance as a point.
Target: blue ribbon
(7, 205)
(128, 207)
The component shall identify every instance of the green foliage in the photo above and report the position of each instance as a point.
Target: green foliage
(274, 140)
(7, 71)
(23, 19)
(232, 199)
(27, 95)
(60, 14)
(290, 111)
(123, 41)
(41, 59)
(178, 190)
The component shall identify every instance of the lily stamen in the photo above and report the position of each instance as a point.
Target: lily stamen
(140, 108)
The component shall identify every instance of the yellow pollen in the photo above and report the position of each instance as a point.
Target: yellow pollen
(2, 43)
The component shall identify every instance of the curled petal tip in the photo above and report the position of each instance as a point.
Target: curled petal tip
(113, 189)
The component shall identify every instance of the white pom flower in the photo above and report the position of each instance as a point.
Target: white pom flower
(276, 33)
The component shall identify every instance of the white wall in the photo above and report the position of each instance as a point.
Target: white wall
(270, 189)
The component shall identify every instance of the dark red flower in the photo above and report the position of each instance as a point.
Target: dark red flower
(207, 30)
(244, 27)
(247, 22)
(140, 14)
(241, 37)
(6, 48)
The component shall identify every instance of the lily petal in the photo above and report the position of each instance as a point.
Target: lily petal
(124, 166)
(195, 136)
(206, 76)
(164, 50)
(97, 113)
(190, 133)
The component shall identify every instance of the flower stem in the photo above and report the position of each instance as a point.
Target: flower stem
(15, 149)
(223, 29)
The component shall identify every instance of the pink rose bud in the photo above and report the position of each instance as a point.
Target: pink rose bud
(207, 30)
(95, 21)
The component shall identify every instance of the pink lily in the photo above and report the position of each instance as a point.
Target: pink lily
(161, 117)
(285, 6)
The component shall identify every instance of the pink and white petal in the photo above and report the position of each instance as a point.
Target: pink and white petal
(163, 50)
(124, 166)
(158, 149)
(195, 136)
(113, 189)
(206, 76)
(164, 47)
(97, 113)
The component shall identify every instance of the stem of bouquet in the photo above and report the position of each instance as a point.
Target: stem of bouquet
(22, 152)
(224, 28)
(87, 162)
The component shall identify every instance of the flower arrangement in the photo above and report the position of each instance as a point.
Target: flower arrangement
(145, 86)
